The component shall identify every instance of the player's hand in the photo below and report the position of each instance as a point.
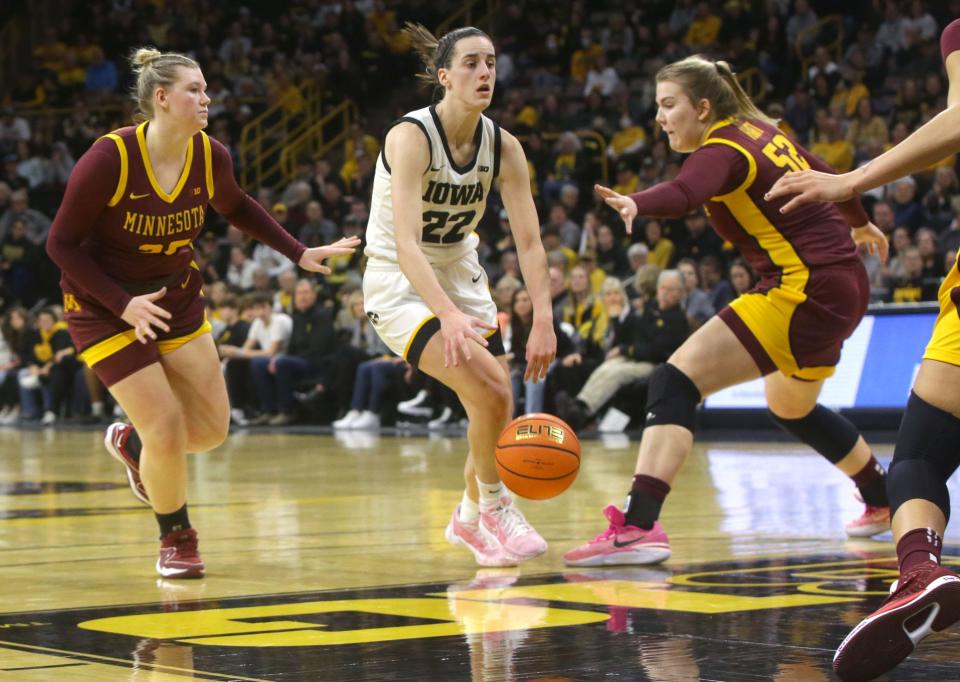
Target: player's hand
(623, 205)
(312, 259)
(875, 240)
(571, 360)
(810, 186)
(541, 350)
(458, 329)
(143, 315)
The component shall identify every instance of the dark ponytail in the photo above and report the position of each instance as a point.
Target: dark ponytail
(436, 53)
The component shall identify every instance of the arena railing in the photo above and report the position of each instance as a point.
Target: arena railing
(318, 139)
(812, 37)
(264, 138)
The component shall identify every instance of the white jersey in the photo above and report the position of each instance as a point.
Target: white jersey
(454, 197)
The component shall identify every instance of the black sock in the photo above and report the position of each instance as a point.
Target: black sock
(174, 521)
(872, 482)
(644, 501)
(134, 445)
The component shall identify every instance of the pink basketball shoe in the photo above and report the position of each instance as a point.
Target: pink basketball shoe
(621, 544)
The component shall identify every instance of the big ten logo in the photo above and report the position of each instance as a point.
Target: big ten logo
(551, 432)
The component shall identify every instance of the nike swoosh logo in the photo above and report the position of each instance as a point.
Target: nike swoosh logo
(476, 279)
(186, 281)
(436, 170)
(138, 196)
(616, 543)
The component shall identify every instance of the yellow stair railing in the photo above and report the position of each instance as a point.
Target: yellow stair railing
(813, 35)
(273, 142)
(753, 83)
(318, 139)
(264, 138)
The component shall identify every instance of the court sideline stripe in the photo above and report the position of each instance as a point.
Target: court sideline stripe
(125, 663)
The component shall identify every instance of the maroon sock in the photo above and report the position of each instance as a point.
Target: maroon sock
(644, 501)
(918, 546)
(872, 482)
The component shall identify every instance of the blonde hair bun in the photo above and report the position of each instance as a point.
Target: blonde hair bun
(144, 56)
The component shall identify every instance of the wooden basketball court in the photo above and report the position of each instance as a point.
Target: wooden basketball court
(326, 561)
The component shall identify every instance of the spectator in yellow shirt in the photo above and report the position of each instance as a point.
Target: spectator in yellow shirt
(834, 149)
(704, 29)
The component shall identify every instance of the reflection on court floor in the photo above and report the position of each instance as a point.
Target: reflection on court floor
(327, 562)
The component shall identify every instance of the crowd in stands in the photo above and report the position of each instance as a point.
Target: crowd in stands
(575, 83)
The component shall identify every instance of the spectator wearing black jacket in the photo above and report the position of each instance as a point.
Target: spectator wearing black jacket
(312, 341)
(234, 315)
(52, 360)
(648, 338)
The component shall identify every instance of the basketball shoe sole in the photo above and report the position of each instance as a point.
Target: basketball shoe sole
(133, 475)
(881, 641)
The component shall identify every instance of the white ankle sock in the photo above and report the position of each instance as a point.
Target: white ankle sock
(469, 510)
(490, 493)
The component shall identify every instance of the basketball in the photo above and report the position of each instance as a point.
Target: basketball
(538, 456)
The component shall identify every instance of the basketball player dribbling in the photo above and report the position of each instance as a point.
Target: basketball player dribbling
(812, 294)
(926, 596)
(424, 289)
(123, 239)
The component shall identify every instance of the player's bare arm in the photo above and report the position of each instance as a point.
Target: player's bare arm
(515, 191)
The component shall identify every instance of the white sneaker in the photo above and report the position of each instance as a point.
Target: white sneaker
(442, 420)
(367, 421)
(238, 417)
(11, 417)
(346, 421)
(48, 418)
(416, 406)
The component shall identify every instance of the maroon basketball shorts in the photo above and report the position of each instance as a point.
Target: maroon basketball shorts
(109, 345)
(799, 324)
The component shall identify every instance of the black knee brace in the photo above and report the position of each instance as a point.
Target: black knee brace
(823, 430)
(926, 455)
(671, 398)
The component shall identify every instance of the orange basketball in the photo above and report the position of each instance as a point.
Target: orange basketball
(538, 456)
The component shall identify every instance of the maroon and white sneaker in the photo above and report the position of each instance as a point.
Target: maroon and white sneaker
(179, 557)
(115, 441)
(924, 600)
(873, 521)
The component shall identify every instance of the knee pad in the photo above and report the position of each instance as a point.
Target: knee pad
(671, 398)
(915, 479)
(925, 456)
(830, 434)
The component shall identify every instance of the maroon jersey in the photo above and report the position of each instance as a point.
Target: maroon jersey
(118, 227)
(737, 164)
